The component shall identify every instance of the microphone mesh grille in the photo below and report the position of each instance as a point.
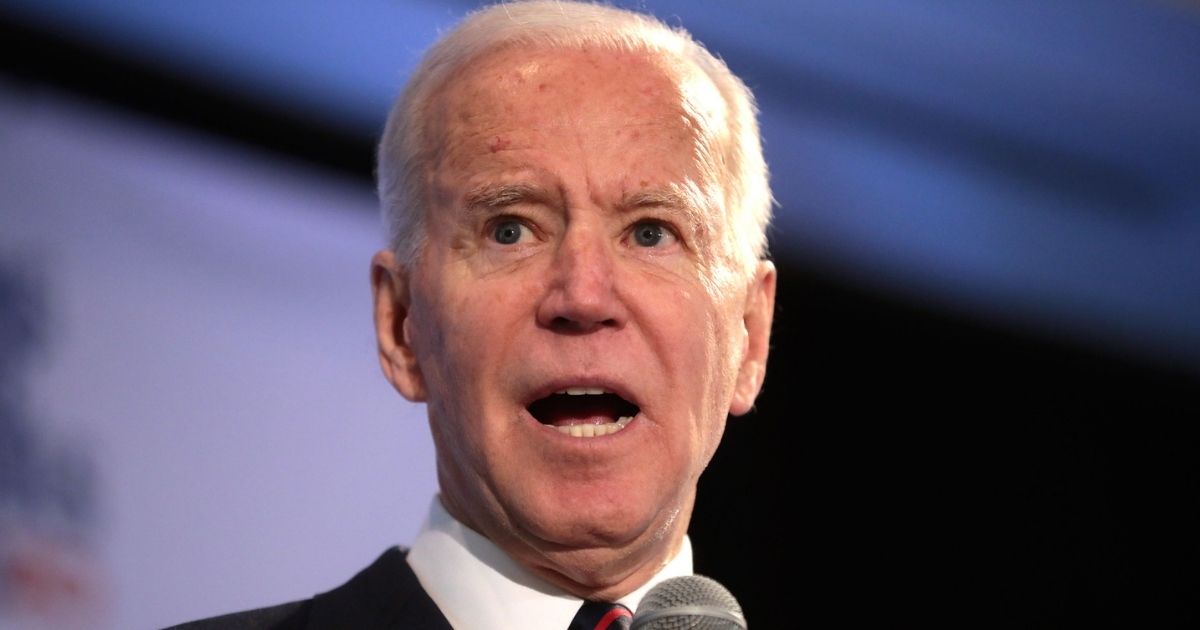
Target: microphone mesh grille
(689, 590)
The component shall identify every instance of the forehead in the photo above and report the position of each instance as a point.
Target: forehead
(550, 91)
(572, 75)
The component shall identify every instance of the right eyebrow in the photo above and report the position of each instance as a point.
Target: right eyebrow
(492, 196)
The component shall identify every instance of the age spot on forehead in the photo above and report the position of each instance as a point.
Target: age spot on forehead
(498, 143)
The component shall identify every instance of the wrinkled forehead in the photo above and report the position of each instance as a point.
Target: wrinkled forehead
(648, 84)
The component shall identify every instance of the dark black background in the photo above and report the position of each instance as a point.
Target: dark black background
(907, 466)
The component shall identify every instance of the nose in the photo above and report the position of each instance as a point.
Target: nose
(581, 296)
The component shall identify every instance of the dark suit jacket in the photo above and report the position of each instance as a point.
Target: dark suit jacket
(385, 595)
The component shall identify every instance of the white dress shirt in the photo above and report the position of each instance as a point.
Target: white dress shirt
(478, 587)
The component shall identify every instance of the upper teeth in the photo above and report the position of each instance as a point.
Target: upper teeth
(580, 391)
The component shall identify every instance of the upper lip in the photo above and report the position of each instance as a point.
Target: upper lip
(558, 384)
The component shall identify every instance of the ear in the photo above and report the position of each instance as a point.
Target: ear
(757, 317)
(389, 284)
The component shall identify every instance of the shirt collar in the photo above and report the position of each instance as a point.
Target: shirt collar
(476, 585)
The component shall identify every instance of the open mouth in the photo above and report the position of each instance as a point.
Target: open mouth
(584, 411)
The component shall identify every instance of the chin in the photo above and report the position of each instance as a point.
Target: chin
(576, 523)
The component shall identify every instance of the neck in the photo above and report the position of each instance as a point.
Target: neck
(604, 574)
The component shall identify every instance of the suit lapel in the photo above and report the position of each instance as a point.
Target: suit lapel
(383, 596)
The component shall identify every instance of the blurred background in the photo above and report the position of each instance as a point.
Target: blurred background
(981, 405)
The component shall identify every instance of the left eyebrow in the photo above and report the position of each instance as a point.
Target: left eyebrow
(655, 198)
(672, 201)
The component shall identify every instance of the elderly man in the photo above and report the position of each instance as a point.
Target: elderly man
(576, 199)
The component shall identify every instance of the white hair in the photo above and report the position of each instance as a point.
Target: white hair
(405, 152)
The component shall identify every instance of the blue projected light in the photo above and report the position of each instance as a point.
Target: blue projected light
(1038, 162)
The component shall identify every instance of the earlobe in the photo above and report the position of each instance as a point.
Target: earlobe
(393, 327)
(757, 318)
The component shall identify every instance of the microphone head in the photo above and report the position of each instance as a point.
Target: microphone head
(689, 601)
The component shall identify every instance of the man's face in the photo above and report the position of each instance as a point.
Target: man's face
(577, 243)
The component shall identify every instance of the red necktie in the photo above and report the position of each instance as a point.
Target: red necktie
(601, 616)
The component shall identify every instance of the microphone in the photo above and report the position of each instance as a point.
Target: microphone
(689, 601)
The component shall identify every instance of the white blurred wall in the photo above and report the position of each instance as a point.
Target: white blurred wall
(209, 348)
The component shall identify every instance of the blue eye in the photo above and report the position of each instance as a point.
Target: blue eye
(648, 234)
(508, 232)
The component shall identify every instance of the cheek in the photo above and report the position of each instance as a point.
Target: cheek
(688, 328)
(721, 349)
(473, 327)
(452, 372)
(436, 335)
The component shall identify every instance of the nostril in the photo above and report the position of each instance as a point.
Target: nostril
(580, 304)
(571, 325)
